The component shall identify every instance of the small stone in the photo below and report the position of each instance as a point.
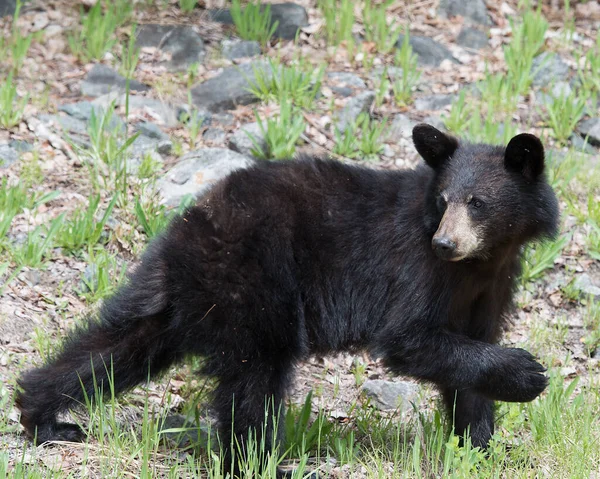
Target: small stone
(347, 79)
(359, 104)
(590, 129)
(161, 112)
(241, 142)
(581, 145)
(7, 7)
(472, 10)
(164, 147)
(588, 285)
(216, 135)
(197, 171)
(8, 155)
(230, 88)
(401, 126)
(472, 38)
(342, 90)
(151, 130)
(428, 51)
(83, 111)
(20, 146)
(239, 49)
(102, 80)
(390, 395)
(436, 122)
(548, 68)
(182, 42)
(433, 102)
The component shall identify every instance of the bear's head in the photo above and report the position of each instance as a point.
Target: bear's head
(484, 198)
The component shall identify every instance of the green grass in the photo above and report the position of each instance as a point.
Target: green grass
(380, 28)
(12, 107)
(339, 20)
(253, 22)
(564, 112)
(540, 257)
(404, 85)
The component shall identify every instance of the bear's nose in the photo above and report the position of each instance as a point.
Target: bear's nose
(443, 247)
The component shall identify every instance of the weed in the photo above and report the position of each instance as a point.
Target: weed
(500, 93)
(83, 229)
(589, 74)
(187, 5)
(404, 84)
(149, 166)
(97, 34)
(104, 273)
(489, 130)
(564, 112)
(12, 107)
(154, 217)
(383, 87)
(254, 21)
(130, 55)
(35, 248)
(359, 371)
(19, 44)
(377, 28)
(540, 257)
(372, 133)
(346, 141)
(339, 20)
(300, 438)
(460, 114)
(281, 133)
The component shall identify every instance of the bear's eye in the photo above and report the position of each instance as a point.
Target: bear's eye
(476, 203)
(441, 203)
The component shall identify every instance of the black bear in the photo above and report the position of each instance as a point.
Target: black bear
(310, 256)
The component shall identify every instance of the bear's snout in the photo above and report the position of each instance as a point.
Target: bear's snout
(444, 247)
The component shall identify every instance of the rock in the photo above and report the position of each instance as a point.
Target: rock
(401, 126)
(20, 146)
(83, 111)
(8, 155)
(230, 88)
(102, 80)
(472, 38)
(151, 130)
(588, 286)
(390, 395)
(342, 91)
(548, 68)
(394, 73)
(182, 42)
(590, 129)
(7, 7)
(581, 145)
(355, 106)
(291, 18)
(197, 171)
(474, 11)
(186, 115)
(241, 142)
(161, 112)
(347, 79)
(68, 127)
(191, 434)
(433, 102)
(239, 49)
(436, 122)
(428, 51)
(226, 119)
(216, 135)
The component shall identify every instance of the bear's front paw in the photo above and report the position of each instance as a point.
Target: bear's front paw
(61, 431)
(516, 377)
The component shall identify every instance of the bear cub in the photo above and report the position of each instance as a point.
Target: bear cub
(312, 256)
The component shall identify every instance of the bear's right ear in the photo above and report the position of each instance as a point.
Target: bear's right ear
(434, 146)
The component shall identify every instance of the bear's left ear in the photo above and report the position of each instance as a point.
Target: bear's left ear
(525, 154)
(434, 146)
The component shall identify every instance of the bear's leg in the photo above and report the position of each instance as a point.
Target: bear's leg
(471, 411)
(249, 397)
(125, 352)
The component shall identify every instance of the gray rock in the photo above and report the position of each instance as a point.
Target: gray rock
(240, 49)
(347, 79)
(187, 433)
(291, 18)
(581, 145)
(433, 102)
(436, 122)
(342, 91)
(216, 135)
(230, 88)
(393, 73)
(226, 119)
(390, 395)
(401, 126)
(20, 146)
(355, 106)
(472, 38)
(590, 129)
(163, 113)
(197, 171)
(587, 285)
(102, 80)
(428, 51)
(83, 111)
(182, 42)
(151, 130)
(8, 155)
(548, 68)
(7, 7)
(67, 127)
(241, 142)
(472, 10)
(185, 114)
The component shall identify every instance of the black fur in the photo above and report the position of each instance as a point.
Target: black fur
(292, 258)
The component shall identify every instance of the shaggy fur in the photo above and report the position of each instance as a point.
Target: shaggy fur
(310, 256)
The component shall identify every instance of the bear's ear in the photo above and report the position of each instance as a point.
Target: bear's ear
(434, 146)
(525, 154)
